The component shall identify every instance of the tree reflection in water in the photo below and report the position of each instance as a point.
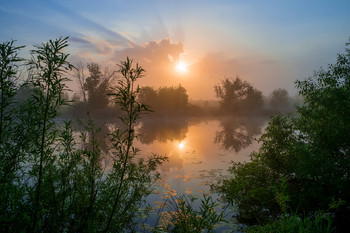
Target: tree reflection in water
(234, 133)
(162, 130)
(237, 133)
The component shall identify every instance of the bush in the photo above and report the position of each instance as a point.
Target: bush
(310, 152)
(50, 180)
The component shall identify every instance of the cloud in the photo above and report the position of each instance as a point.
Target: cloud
(79, 40)
(156, 52)
(93, 49)
(84, 22)
(152, 53)
(155, 56)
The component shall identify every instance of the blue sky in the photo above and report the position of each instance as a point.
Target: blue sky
(267, 43)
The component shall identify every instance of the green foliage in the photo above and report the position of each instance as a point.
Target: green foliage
(49, 64)
(320, 223)
(317, 222)
(129, 181)
(238, 96)
(181, 216)
(50, 180)
(10, 193)
(309, 155)
(8, 70)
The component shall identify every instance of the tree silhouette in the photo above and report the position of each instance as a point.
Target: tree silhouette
(279, 98)
(165, 99)
(238, 96)
(96, 87)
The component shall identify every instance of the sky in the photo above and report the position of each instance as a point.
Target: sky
(270, 44)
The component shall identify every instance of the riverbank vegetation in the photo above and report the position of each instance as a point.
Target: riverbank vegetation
(299, 178)
(54, 180)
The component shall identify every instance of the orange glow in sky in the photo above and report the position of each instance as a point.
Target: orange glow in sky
(181, 67)
(183, 42)
(181, 145)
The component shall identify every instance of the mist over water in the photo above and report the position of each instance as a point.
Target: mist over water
(200, 150)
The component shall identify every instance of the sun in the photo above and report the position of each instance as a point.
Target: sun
(181, 145)
(181, 67)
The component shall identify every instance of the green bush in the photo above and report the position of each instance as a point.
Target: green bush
(52, 181)
(309, 152)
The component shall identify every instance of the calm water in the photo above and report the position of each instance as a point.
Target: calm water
(200, 151)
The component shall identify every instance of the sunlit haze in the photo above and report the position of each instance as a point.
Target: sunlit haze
(267, 43)
(181, 67)
(181, 145)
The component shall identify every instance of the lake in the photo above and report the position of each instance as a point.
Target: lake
(200, 150)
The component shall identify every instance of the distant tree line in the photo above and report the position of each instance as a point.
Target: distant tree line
(165, 99)
(237, 96)
(95, 87)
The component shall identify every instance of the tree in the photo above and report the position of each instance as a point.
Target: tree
(173, 98)
(253, 101)
(279, 98)
(96, 87)
(148, 96)
(310, 152)
(238, 96)
(79, 74)
(165, 99)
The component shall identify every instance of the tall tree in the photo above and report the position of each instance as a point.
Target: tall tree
(79, 74)
(238, 96)
(95, 87)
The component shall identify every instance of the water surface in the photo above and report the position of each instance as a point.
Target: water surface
(200, 151)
